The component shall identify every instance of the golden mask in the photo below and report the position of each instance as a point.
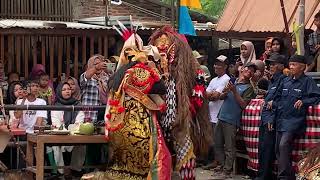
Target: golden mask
(135, 55)
(163, 43)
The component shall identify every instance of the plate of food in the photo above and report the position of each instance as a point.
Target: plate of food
(60, 132)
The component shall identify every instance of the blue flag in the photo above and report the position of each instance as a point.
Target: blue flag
(185, 22)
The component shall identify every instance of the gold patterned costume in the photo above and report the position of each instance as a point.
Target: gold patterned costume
(136, 141)
(130, 144)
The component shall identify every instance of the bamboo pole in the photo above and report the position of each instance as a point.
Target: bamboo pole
(172, 13)
(302, 24)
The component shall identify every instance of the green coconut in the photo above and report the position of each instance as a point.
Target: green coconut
(86, 128)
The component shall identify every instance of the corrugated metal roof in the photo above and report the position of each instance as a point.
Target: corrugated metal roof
(37, 24)
(146, 25)
(263, 15)
(88, 23)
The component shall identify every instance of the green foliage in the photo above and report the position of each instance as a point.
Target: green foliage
(211, 8)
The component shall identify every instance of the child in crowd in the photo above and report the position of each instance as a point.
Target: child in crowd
(13, 76)
(277, 46)
(46, 92)
(267, 47)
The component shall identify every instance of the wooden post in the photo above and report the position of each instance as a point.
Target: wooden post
(76, 57)
(60, 51)
(230, 47)
(51, 54)
(10, 52)
(18, 55)
(84, 50)
(100, 45)
(284, 16)
(18, 8)
(68, 57)
(34, 49)
(31, 7)
(106, 47)
(2, 49)
(91, 46)
(26, 56)
(301, 23)
(43, 51)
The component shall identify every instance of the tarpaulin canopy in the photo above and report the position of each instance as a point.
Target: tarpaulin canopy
(259, 16)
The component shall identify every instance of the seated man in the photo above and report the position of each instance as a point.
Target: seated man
(30, 118)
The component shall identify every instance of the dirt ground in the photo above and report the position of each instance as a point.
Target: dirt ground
(201, 175)
(208, 175)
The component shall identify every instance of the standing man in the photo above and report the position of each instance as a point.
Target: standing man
(267, 133)
(297, 93)
(236, 97)
(214, 91)
(93, 83)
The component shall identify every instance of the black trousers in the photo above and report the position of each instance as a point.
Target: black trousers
(267, 140)
(284, 147)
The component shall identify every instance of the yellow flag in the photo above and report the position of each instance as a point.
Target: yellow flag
(191, 3)
(296, 32)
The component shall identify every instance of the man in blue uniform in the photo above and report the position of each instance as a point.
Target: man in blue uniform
(297, 93)
(267, 132)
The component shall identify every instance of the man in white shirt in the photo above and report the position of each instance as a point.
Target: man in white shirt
(213, 91)
(30, 118)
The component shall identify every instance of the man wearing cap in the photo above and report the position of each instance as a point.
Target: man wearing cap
(258, 77)
(202, 61)
(236, 96)
(296, 93)
(200, 58)
(267, 133)
(213, 91)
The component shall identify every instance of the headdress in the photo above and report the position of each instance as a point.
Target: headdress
(133, 44)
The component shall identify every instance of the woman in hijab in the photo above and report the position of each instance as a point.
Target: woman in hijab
(267, 47)
(62, 120)
(247, 54)
(75, 88)
(64, 97)
(37, 70)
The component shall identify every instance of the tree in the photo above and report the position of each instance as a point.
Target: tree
(211, 8)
